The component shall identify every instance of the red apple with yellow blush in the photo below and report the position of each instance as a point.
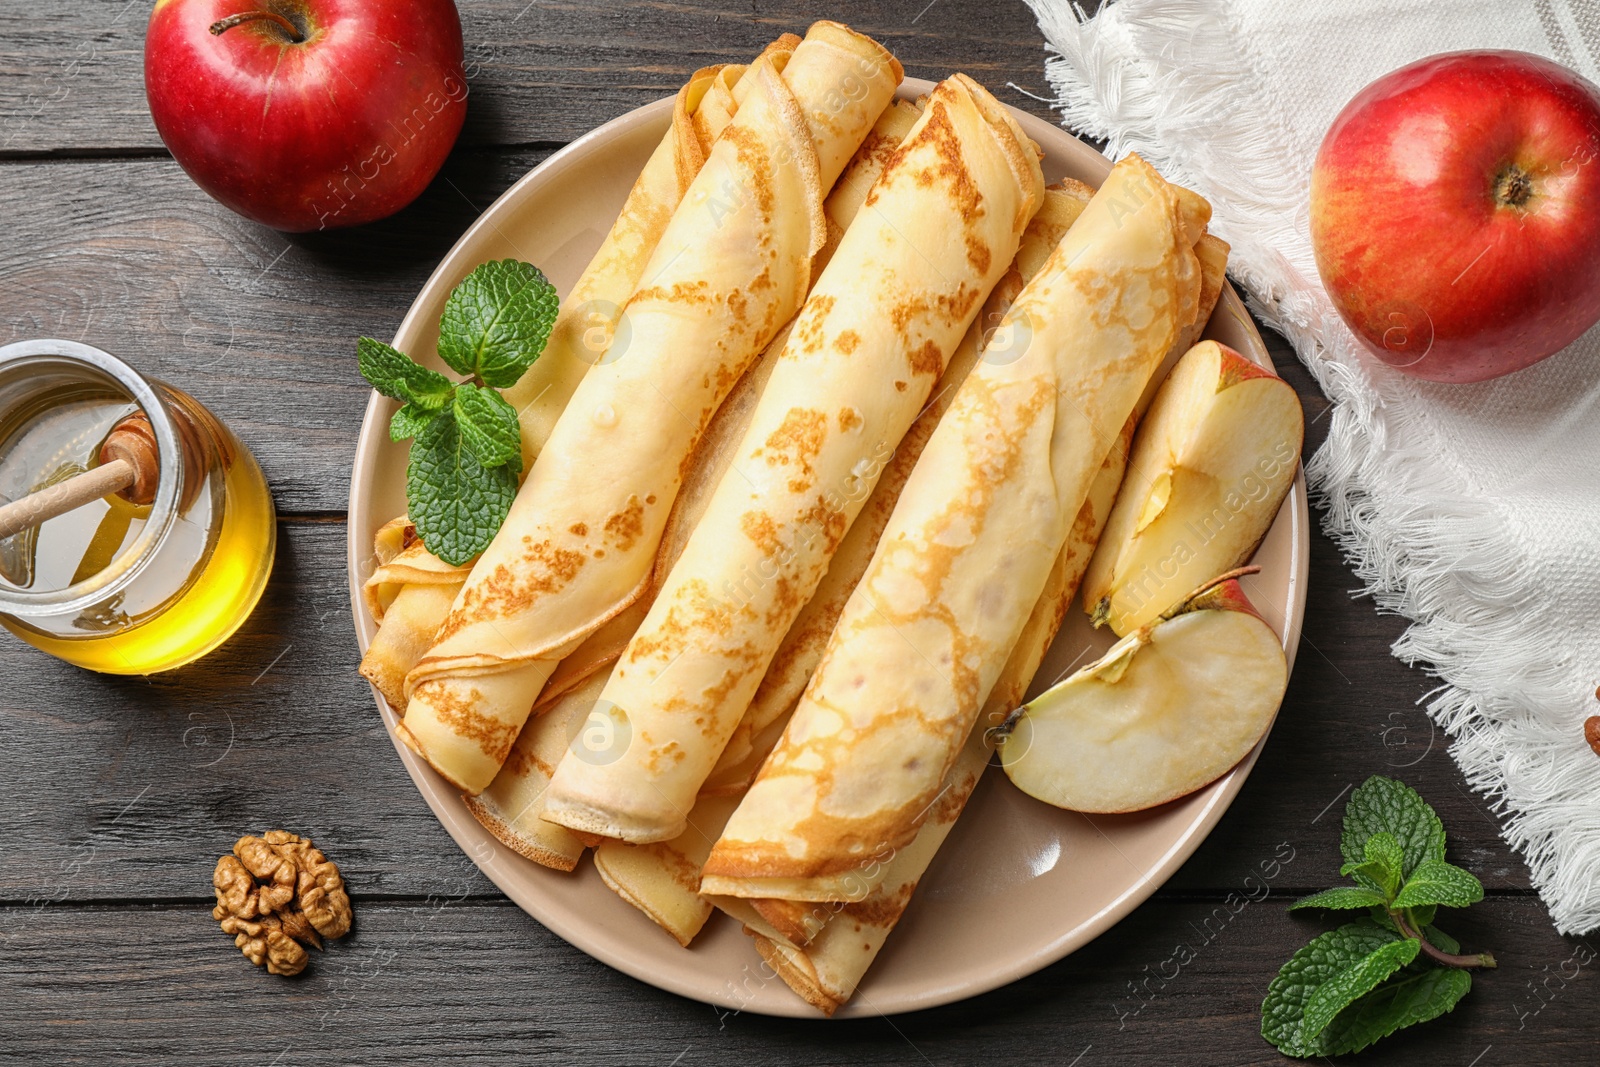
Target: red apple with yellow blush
(307, 114)
(1455, 213)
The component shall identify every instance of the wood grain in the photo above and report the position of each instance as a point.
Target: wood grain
(120, 793)
(132, 257)
(480, 982)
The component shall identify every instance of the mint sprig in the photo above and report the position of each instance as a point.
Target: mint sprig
(1392, 968)
(466, 450)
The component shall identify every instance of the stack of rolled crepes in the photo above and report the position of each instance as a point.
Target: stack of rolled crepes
(822, 948)
(731, 268)
(513, 805)
(859, 446)
(883, 742)
(909, 276)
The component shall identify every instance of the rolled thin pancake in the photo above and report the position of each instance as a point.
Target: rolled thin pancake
(972, 540)
(652, 877)
(703, 108)
(802, 646)
(705, 105)
(408, 595)
(718, 445)
(822, 950)
(650, 880)
(732, 266)
(795, 920)
(509, 808)
(935, 233)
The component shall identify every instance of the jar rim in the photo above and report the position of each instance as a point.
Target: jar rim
(128, 564)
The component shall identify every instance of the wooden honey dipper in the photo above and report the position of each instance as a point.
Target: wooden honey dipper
(128, 466)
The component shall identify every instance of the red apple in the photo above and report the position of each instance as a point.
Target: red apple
(1455, 213)
(307, 114)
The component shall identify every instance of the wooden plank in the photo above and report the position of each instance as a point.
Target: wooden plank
(130, 788)
(483, 983)
(72, 74)
(135, 259)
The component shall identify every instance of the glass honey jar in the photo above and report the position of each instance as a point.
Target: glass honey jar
(115, 586)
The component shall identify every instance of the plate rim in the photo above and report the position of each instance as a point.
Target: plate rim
(445, 802)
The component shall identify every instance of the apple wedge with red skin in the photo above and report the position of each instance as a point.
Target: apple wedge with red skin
(1455, 213)
(307, 114)
(1210, 466)
(1169, 709)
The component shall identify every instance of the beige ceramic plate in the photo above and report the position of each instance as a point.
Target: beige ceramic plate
(1009, 854)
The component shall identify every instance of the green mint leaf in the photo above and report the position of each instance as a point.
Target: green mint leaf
(488, 426)
(456, 504)
(1441, 940)
(1342, 897)
(1383, 804)
(1367, 876)
(1283, 1011)
(409, 421)
(1384, 851)
(1405, 1001)
(1420, 917)
(1380, 869)
(394, 374)
(1354, 982)
(496, 321)
(1438, 882)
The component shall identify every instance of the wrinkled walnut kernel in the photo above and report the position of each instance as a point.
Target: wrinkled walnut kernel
(264, 941)
(276, 893)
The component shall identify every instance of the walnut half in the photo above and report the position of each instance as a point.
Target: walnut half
(277, 893)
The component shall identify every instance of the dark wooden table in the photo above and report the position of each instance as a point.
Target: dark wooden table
(118, 794)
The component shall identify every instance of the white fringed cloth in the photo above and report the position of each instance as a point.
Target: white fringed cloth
(1472, 510)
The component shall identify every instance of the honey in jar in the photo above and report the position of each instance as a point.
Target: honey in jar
(115, 586)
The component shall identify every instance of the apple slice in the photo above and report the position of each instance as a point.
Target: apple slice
(1211, 463)
(1170, 708)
